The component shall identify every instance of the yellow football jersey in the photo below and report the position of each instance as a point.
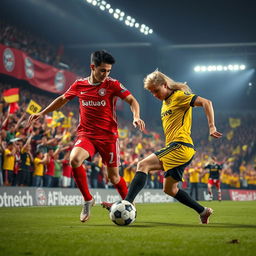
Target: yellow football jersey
(9, 160)
(176, 116)
(39, 167)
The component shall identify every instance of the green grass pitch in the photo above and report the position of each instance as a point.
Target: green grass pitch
(160, 229)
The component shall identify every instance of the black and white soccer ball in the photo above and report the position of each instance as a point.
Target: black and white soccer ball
(122, 213)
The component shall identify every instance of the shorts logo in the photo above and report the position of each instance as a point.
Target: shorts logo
(92, 103)
(102, 92)
(78, 142)
(9, 60)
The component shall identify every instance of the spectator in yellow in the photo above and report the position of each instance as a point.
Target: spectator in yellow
(39, 162)
(194, 180)
(8, 164)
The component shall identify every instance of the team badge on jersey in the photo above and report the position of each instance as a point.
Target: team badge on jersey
(102, 92)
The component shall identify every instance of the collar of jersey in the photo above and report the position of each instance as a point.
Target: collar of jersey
(93, 83)
(168, 98)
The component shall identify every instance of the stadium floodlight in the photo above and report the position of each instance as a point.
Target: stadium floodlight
(197, 69)
(242, 67)
(236, 67)
(120, 15)
(219, 68)
(116, 16)
(213, 68)
(230, 67)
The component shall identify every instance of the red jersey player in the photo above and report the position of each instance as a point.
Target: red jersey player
(97, 130)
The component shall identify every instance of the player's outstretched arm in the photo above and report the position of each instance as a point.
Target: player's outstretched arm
(56, 104)
(135, 108)
(208, 109)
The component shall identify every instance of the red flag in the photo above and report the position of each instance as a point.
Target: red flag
(11, 95)
(13, 107)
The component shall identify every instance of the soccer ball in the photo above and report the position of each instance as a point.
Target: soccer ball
(122, 213)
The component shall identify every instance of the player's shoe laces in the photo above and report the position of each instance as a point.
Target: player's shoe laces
(86, 210)
(106, 205)
(204, 216)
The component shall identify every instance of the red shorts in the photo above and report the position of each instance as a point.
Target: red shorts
(214, 182)
(109, 150)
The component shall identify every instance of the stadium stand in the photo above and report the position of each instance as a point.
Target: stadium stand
(54, 135)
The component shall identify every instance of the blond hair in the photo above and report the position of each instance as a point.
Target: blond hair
(157, 78)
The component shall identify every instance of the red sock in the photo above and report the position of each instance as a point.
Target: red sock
(81, 181)
(122, 188)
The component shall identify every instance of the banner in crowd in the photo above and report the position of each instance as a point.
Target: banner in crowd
(234, 122)
(18, 64)
(33, 107)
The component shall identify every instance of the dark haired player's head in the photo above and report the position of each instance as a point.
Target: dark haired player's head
(99, 57)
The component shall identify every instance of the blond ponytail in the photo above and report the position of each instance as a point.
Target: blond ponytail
(157, 78)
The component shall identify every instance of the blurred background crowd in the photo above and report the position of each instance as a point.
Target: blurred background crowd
(38, 155)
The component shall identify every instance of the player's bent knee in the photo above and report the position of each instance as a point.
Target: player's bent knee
(170, 191)
(142, 167)
(74, 162)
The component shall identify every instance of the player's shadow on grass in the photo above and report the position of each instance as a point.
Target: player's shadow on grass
(211, 225)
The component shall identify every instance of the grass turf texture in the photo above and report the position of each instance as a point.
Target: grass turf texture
(160, 229)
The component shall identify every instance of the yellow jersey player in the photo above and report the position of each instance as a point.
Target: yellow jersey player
(176, 116)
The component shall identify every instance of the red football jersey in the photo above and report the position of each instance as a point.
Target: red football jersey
(97, 107)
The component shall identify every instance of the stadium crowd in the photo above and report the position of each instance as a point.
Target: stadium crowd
(38, 155)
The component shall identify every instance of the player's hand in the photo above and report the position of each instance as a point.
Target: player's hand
(32, 118)
(214, 133)
(137, 122)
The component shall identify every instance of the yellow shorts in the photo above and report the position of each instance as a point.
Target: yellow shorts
(175, 158)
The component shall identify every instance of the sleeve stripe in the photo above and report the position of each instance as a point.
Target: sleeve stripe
(193, 100)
